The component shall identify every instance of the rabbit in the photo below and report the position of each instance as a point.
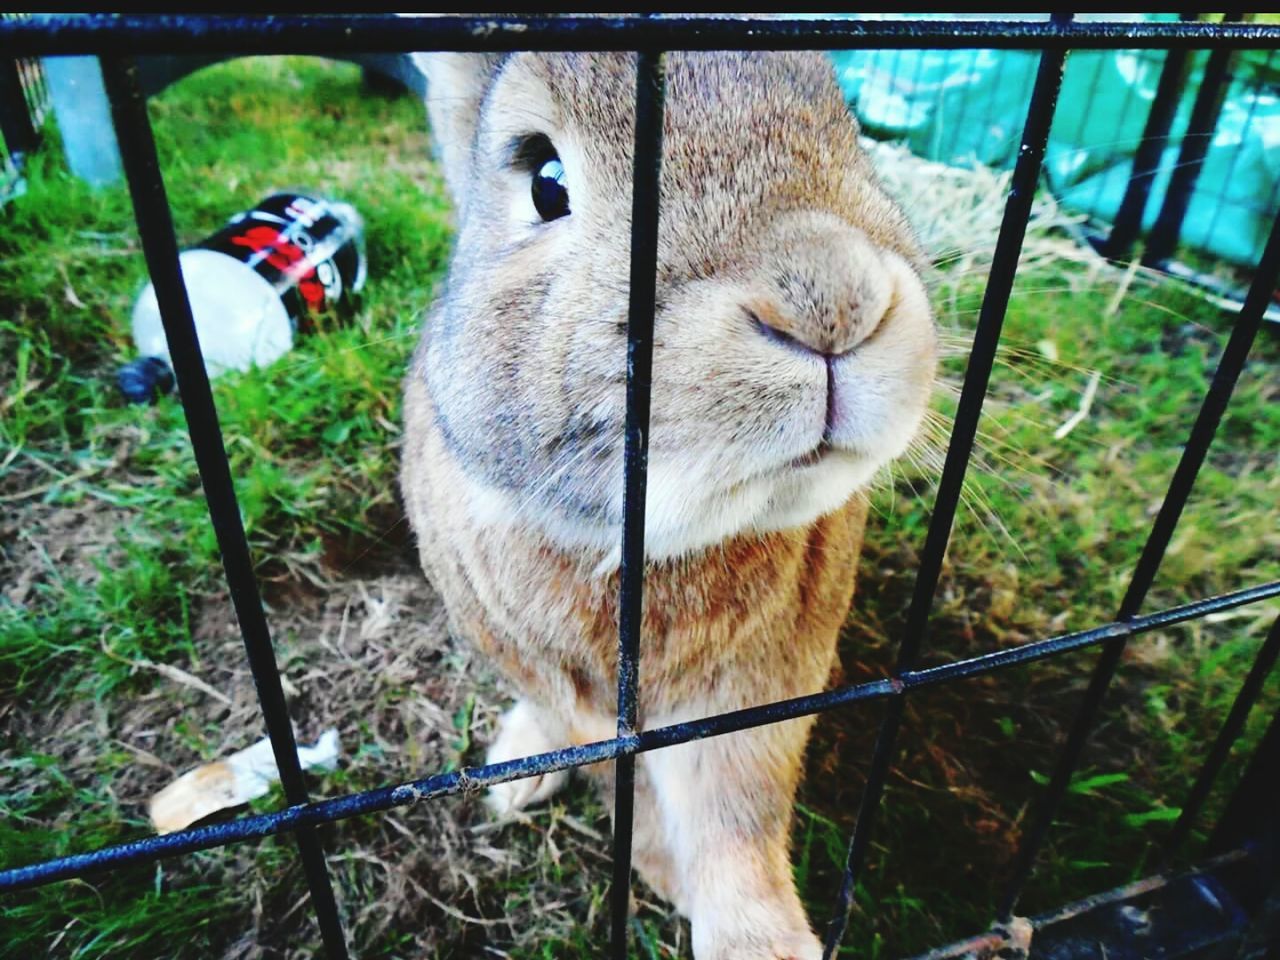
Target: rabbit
(794, 357)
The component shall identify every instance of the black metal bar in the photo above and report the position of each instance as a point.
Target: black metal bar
(1004, 267)
(135, 35)
(1229, 177)
(1184, 476)
(650, 83)
(1231, 727)
(159, 244)
(20, 136)
(1167, 230)
(52, 35)
(949, 156)
(1252, 820)
(1146, 160)
(1255, 795)
(470, 779)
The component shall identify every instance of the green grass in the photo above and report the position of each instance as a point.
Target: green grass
(308, 439)
(157, 910)
(109, 570)
(1045, 544)
(311, 444)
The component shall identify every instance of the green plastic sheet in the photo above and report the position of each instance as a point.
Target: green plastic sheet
(968, 106)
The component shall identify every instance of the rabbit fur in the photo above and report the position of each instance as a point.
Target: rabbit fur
(794, 356)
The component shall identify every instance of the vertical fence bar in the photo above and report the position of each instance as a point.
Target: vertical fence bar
(1254, 801)
(16, 127)
(1146, 160)
(1236, 154)
(650, 88)
(1252, 820)
(1184, 476)
(1231, 727)
(1004, 267)
(156, 230)
(159, 244)
(949, 156)
(1167, 230)
(1104, 177)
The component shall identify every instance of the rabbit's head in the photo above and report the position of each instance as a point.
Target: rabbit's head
(794, 349)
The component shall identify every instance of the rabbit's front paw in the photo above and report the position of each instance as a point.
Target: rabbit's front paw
(524, 732)
(741, 926)
(798, 944)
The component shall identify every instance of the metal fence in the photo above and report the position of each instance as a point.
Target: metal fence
(1172, 144)
(24, 104)
(117, 39)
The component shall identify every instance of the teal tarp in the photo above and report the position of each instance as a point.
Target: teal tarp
(966, 106)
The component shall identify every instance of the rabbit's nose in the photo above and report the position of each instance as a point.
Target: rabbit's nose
(826, 330)
(820, 285)
(777, 326)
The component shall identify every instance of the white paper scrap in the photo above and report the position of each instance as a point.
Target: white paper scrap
(239, 778)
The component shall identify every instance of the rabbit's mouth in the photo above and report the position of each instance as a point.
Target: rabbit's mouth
(814, 456)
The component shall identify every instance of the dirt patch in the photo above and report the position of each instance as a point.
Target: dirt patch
(37, 545)
(373, 658)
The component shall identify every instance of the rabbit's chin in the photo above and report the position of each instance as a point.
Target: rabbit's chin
(681, 520)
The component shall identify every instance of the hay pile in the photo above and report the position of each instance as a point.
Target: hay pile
(957, 212)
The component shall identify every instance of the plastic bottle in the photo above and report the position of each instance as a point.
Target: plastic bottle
(249, 284)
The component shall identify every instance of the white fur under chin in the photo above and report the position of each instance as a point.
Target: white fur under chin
(679, 520)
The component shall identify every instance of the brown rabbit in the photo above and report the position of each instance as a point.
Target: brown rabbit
(794, 356)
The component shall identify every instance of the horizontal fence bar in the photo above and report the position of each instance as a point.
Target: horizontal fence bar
(473, 779)
(120, 36)
(137, 35)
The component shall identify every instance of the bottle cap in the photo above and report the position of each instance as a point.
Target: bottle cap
(145, 379)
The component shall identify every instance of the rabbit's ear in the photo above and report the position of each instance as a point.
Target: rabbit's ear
(456, 86)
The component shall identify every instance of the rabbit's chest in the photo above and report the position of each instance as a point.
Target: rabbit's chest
(753, 620)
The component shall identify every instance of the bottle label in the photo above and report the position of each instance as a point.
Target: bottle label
(310, 250)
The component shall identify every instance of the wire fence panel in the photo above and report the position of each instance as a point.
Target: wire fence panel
(116, 39)
(1184, 477)
(1193, 132)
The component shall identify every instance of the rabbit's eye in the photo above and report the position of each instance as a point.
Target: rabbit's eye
(550, 195)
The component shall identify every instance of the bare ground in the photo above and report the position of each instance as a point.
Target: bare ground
(371, 657)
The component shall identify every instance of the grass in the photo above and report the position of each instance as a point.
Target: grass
(110, 588)
(1051, 534)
